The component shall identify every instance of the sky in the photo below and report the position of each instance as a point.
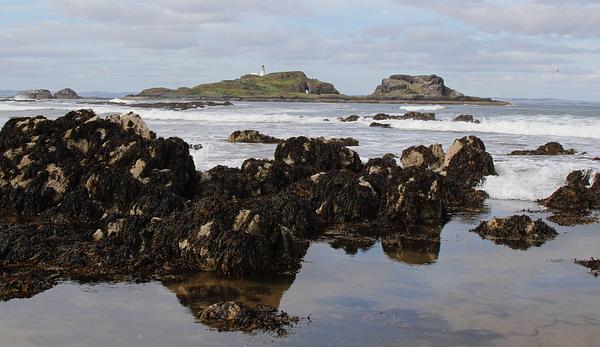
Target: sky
(509, 48)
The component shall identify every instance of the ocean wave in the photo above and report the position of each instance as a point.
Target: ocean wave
(412, 108)
(121, 101)
(534, 127)
(531, 179)
(23, 106)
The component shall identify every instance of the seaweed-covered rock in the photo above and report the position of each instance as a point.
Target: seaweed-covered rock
(467, 161)
(344, 141)
(384, 116)
(419, 116)
(551, 148)
(519, 232)
(252, 136)
(592, 264)
(351, 118)
(317, 155)
(428, 157)
(467, 118)
(236, 316)
(581, 194)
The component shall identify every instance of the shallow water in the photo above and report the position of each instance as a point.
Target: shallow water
(464, 291)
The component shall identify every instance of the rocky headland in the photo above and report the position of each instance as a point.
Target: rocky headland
(44, 94)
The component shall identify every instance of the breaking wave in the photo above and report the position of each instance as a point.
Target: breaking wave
(412, 108)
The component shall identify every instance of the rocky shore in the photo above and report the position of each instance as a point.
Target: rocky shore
(91, 198)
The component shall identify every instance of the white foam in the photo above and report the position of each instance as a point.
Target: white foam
(515, 126)
(412, 108)
(121, 101)
(532, 179)
(23, 106)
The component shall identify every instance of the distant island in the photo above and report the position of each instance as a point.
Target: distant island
(296, 86)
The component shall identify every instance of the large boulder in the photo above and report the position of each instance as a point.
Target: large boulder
(575, 200)
(414, 87)
(34, 94)
(519, 232)
(467, 161)
(428, 157)
(66, 93)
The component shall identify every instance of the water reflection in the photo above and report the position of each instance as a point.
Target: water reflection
(412, 252)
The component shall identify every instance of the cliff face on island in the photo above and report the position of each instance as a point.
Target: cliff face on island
(411, 87)
(278, 84)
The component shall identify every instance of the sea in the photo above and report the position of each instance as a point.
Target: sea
(468, 291)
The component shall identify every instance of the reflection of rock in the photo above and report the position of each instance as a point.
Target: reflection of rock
(250, 305)
(413, 246)
(551, 148)
(519, 232)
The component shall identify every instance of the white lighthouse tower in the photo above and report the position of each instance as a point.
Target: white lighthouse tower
(263, 71)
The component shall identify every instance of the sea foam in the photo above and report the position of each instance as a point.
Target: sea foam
(412, 108)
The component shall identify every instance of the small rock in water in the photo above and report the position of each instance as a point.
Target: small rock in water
(252, 136)
(419, 116)
(550, 148)
(592, 264)
(519, 232)
(466, 118)
(196, 147)
(352, 118)
(381, 125)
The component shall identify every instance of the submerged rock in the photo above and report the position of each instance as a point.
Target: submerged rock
(519, 232)
(252, 136)
(380, 125)
(352, 118)
(235, 316)
(466, 118)
(551, 148)
(66, 93)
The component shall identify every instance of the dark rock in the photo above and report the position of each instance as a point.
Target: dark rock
(592, 264)
(252, 136)
(419, 116)
(551, 148)
(466, 118)
(178, 106)
(428, 157)
(344, 141)
(317, 155)
(574, 202)
(468, 162)
(352, 118)
(235, 316)
(384, 116)
(519, 232)
(572, 219)
(196, 147)
(381, 125)
(34, 94)
(596, 158)
(66, 93)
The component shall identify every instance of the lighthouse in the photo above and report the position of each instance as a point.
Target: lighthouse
(263, 71)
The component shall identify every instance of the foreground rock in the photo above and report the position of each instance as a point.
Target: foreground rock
(592, 264)
(467, 118)
(34, 94)
(252, 136)
(430, 157)
(66, 93)
(551, 148)
(105, 199)
(519, 232)
(574, 202)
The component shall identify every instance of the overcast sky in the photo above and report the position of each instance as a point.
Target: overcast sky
(509, 48)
